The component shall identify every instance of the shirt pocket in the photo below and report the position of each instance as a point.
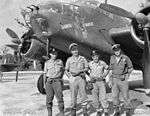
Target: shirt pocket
(122, 64)
(99, 68)
(81, 64)
(72, 65)
(58, 67)
(112, 64)
(50, 66)
(58, 64)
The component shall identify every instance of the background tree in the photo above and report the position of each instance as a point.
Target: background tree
(4, 50)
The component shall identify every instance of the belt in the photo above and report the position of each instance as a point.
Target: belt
(120, 77)
(54, 79)
(99, 79)
(94, 79)
(120, 74)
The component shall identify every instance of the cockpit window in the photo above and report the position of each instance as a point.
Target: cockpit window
(90, 2)
(52, 7)
(43, 24)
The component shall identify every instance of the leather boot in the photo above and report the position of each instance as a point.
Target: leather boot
(61, 109)
(73, 112)
(61, 113)
(106, 114)
(99, 113)
(117, 114)
(85, 111)
(49, 111)
(127, 112)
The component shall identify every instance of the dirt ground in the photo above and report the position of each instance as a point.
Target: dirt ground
(23, 99)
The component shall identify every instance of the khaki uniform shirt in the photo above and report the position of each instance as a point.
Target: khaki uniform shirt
(54, 69)
(75, 64)
(121, 67)
(97, 69)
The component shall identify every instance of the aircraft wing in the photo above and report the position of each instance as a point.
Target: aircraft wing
(123, 37)
(8, 67)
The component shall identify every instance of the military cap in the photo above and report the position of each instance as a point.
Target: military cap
(73, 45)
(53, 51)
(115, 47)
(94, 52)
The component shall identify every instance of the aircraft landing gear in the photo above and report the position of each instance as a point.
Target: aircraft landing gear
(40, 85)
(146, 61)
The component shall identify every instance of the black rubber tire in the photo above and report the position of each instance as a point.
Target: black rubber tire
(40, 85)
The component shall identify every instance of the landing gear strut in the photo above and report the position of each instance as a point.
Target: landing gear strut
(146, 61)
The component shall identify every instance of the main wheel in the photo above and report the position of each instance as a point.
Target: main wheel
(40, 85)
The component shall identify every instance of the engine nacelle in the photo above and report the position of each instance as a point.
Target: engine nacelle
(34, 49)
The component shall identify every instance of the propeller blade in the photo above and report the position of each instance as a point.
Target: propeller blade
(116, 10)
(15, 47)
(17, 73)
(16, 41)
(12, 34)
(19, 61)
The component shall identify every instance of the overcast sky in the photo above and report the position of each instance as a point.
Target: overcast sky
(10, 9)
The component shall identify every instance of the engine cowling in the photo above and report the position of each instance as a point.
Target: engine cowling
(137, 27)
(34, 49)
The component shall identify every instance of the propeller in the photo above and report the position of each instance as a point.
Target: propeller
(16, 41)
(13, 46)
(140, 17)
(12, 34)
(116, 10)
(19, 60)
(17, 46)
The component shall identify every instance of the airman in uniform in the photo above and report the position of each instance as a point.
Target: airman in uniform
(98, 72)
(54, 71)
(76, 66)
(120, 69)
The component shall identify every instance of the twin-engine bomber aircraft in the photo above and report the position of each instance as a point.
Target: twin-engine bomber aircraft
(91, 24)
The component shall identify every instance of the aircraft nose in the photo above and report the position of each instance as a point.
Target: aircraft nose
(25, 15)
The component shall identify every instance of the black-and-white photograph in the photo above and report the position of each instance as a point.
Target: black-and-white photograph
(75, 58)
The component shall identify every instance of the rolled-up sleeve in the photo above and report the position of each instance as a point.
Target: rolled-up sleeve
(129, 64)
(67, 66)
(105, 65)
(86, 65)
(61, 65)
(45, 68)
(110, 66)
(60, 69)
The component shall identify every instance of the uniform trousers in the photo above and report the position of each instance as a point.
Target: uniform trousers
(54, 87)
(99, 94)
(77, 84)
(122, 86)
